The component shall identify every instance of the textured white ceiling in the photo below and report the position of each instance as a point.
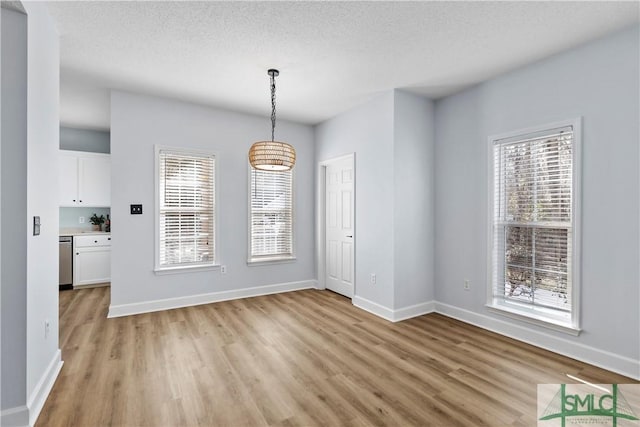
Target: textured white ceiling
(332, 55)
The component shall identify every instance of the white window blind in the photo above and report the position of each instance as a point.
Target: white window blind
(533, 223)
(186, 184)
(270, 215)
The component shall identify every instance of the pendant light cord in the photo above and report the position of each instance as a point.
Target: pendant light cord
(273, 106)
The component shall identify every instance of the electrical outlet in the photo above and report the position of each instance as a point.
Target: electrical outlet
(47, 329)
(81, 220)
(223, 269)
(373, 278)
(467, 285)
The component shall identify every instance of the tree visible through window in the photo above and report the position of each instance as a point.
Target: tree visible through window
(533, 224)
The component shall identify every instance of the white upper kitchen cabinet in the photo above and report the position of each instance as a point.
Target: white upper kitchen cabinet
(85, 179)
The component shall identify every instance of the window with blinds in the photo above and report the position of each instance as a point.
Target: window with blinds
(533, 226)
(270, 215)
(186, 209)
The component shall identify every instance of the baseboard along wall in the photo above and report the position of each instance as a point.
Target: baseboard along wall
(191, 300)
(613, 362)
(27, 415)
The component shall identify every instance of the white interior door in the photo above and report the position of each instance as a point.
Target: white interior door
(339, 226)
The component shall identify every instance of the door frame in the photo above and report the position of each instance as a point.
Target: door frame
(321, 211)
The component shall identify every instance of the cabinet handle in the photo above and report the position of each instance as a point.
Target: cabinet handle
(74, 200)
(80, 201)
(108, 238)
(77, 253)
(95, 241)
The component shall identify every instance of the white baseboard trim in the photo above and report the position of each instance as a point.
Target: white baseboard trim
(373, 308)
(191, 300)
(23, 416)
(393, 315)
(601, 358)
(43, 388)
(15, 417)
(414, 311)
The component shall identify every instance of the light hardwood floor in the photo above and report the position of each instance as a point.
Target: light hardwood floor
(300, 358)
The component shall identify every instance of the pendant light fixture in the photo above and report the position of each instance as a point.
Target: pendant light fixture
(272, 155)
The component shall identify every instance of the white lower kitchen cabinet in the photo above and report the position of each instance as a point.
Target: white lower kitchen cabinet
(92, 262)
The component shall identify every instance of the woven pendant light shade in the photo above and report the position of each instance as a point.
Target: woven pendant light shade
(272, 156)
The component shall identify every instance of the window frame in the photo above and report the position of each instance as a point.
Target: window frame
(271, 259)
(530, 314)
(214, 265)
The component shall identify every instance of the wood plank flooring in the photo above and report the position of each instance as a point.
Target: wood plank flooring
(300, 358)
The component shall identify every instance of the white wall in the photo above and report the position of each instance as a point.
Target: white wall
(43, 121)
(599, 82)
(368, 131)
(413, 149)
(14, 209)
(392, 136)
(30, 361)
(137, 123)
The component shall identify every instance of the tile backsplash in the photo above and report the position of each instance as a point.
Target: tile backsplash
(70, 217)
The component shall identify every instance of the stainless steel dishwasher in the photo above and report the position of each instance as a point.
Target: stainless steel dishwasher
(66, 262)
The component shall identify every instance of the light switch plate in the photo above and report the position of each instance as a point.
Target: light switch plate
(36, 225)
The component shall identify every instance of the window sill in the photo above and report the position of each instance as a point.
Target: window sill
(534, 318)
(255, 262)
(185, 269)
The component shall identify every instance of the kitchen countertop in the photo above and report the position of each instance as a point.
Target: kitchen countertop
(72, 232)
